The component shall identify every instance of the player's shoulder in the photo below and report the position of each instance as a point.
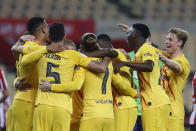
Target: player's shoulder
(31, 43)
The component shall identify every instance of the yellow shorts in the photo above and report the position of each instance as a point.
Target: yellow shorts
(97, 124)
(156, 119)
(22, 115)
(175, 125)
(9, 126)
(75, 124)
(49, 118)
(125, 119)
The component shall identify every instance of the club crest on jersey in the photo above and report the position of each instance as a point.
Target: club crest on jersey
(147, 54)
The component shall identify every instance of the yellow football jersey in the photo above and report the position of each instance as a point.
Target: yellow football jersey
(174, 84)
(121, 101)
(30, 73)
(77, 98)
(97, 92)
(152, 93)
(58, 68)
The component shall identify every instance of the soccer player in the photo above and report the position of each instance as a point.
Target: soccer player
(125, 107)
(192, 119)
(154, 101)
(175, 73)
(98, 101)
(4, 100)
(22, 108)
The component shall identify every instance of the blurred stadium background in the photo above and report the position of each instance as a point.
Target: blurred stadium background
(99, 16)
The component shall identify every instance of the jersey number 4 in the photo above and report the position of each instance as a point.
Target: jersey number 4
(55, 75)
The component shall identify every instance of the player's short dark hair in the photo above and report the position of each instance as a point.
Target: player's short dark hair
(56, 32)
(143, 29)
(89, 41)
(181, 34)
(34, 23)
(104, 38)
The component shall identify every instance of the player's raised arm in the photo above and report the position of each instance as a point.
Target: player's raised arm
(38, 53)
(103, 53)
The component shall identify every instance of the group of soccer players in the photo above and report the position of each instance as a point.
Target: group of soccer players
(61, 89)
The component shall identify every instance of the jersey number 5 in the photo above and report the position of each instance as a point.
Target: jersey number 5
(49, 72)
(105, 78)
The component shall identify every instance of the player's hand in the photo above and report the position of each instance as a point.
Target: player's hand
(162, 57)
(117, 66)
(45, 85)
(20, 85)
(138, 94)
(125, 53)
(125, 27)
(55, 48)
(25, 38)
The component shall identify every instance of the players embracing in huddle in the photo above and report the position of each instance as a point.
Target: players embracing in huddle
(62, 89)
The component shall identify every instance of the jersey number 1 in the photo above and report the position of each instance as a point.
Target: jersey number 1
(49, 72)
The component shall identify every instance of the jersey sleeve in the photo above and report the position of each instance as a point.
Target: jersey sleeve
(161, 52)
(3, 81)
(34, 56)
(120, 57)
(71, 86)
(180, 64)
(29, 47)
(78, 58)
(148, 54)
(123, 85)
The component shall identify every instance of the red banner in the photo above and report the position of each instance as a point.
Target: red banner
(12, 29)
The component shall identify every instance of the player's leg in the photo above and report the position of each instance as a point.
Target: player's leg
(132, 118)
(43, 118)
(91, 125)
(163, 117)
(108, 124)
(9, 125)
(125, 119)
(22, 115)
(175, 125)
(61, 120)
(75, 124)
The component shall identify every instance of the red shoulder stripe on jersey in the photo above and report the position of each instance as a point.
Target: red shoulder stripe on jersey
(81, 94)
(144, 100)
(37, 42)
(115, 102)
(140, 74)
(168, 82)
(141, 86)
(162, 70)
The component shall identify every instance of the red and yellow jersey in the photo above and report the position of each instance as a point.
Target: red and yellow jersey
(152, 93)
(58, 68)
(122, 101)
(174, 83)
(29, 72)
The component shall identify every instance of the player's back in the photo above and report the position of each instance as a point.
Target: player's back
(57, 68)
(98, 100)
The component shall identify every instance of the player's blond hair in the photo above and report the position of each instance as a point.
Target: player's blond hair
(181, 34)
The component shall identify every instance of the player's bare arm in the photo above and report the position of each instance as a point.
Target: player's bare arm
(170, 63)
(99, 67)
(103, 53)
(147, 66)
(21, 85)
